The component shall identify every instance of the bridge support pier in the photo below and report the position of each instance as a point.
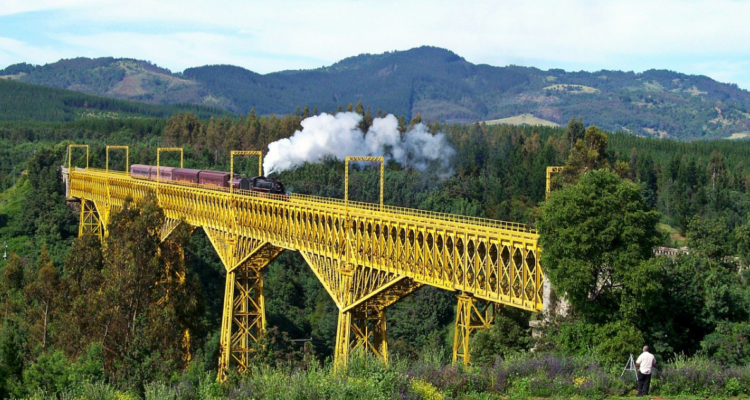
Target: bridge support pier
(90, 222)
(244, 316)
(470, 316)
(361, 330)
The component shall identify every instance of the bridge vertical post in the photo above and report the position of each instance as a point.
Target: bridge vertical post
(378, 159)
(344, 327)
(342, 346)
(551, 171)
(231, 165)
(127, 156)
(226, 327)
(468, 319)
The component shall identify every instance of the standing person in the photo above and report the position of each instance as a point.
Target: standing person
(643, 365)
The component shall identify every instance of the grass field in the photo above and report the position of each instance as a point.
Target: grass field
(523, 119)
(674, 236)
(739, 135)
(13, 77)
(574, 89)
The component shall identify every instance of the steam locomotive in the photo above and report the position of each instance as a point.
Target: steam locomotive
(206, 178)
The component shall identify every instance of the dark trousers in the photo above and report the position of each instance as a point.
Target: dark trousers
(644, 381)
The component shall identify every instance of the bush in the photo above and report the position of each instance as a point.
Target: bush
(49, 373)
(729, 344)
(612, 343)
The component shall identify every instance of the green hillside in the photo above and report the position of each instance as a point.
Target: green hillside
(22, 101)
(435, 83)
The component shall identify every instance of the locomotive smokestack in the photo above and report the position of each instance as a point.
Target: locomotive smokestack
(339, 136)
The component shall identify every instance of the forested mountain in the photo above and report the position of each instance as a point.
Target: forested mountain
(25, 102)
(435, 83)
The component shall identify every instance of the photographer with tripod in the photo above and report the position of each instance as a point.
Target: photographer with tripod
(644, 364)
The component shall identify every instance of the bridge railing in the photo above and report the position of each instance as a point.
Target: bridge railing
(411, 212)
(355, 206)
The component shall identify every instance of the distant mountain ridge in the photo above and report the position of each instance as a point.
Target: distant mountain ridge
(434, 82)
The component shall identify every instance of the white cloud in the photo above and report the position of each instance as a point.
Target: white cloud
(11, 7)
(176, 51)
(13, 51)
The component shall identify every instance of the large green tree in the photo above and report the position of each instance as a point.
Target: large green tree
(598, 235)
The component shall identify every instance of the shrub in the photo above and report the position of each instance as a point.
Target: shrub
(729, 344)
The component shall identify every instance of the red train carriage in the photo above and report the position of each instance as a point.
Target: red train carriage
(140, 171)
(186, 175)
(164, 173)
(213, 178)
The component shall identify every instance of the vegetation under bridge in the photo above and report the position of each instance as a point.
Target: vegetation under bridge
(367, 256)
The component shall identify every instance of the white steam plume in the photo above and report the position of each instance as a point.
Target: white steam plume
(339, 136)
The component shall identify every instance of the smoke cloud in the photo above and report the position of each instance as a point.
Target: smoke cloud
(339, 136)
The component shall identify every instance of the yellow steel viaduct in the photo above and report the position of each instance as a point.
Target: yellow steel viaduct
(367, 256)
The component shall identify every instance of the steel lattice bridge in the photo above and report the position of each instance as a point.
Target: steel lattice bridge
(367, 256)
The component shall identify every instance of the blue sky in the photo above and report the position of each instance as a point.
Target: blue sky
(691, 36)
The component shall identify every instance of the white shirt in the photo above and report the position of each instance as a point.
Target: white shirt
(646, 361)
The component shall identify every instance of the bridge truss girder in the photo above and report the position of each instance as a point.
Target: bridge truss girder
(366, 256)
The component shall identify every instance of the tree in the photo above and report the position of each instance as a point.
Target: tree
(645, 172)
(574, 132)
(80, 303)
(743, 242)
(588, 153)
(46, 217)
(508, 334)
(709, 237)
(717, 170)
(598, 235)
(42, 291)
(184, 129)
(729, 344)
(11, 360)
(416, 120)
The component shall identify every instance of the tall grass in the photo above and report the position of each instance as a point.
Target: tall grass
(521, 376)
